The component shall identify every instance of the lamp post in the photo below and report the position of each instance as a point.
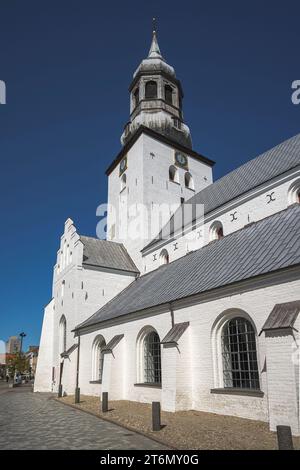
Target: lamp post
(22, 335)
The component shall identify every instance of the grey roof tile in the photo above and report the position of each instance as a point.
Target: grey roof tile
(268, 245)
(106, 254)
(252, 174)
(282, 316)
(175, 333)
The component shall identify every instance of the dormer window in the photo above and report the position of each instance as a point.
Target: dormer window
(151, 90)
(168, 94)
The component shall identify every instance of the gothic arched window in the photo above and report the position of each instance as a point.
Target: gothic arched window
(151, 90)
(152, 358)
(294, 193)
(98, 358)
(168, 94)
(63, 334)
(240, 368)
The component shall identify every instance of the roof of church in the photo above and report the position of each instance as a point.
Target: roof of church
(265, 167)
(106, 254)
(259, 248)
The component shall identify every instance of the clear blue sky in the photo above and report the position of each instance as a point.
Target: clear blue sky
(67, 66)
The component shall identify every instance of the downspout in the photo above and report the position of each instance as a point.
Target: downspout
(172, 314)
(77, 389)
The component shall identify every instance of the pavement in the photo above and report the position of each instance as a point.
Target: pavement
(36, 421)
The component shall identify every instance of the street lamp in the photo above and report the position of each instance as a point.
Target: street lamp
(22, 337)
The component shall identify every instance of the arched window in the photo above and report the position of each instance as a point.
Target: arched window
(168, 94)
(188, 180)
(294, 193)
(151, 90)
(62, 334)
(123, 181)
(148, 356)
(136, 96)
(173, 174)
(240, 368)
(98, 358)
(164, 257)
(216, 231)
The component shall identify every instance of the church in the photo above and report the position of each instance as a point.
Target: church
(193, 297)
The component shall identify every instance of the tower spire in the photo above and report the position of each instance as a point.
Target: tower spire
(154, 52)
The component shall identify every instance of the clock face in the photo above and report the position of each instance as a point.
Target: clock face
(181, 159)
(123, 165)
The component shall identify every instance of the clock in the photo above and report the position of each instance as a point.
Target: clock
(181, 160)
(123, 165)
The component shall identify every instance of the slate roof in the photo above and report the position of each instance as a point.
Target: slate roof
(268, 245)
(282, 316)
(106, 254)
(265, 167)
(175, 333)
(112, 343)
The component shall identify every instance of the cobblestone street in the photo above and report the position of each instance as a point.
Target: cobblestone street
(36, 421)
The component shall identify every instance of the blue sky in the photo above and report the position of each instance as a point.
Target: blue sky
(67, 66)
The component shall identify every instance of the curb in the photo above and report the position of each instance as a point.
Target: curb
(128, 428)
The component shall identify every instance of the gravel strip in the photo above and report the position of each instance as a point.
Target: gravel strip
(187, 429)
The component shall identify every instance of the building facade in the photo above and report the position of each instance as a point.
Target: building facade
(193, 298)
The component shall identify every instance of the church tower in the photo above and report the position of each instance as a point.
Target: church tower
(156, 165)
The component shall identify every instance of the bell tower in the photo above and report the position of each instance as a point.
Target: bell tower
(156, 99)
(156, 169)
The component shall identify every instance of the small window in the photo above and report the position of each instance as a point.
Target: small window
(177, 123)
(216, 231)
(152, 359)
(123, 181)
(98, 358)
(164, 257)
(63, 334)
(240, 368)
(168, 94)
(136, 97)
(188, 181)
(151, 90)
(173, 174)
(294, 193)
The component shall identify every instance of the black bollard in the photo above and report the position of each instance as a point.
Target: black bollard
(284, 437)
(77, 395)
(104, 402)
(60, 390)
(156, 426)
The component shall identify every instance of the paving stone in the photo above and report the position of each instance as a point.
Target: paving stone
(36, 421)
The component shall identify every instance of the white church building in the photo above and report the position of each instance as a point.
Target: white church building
(202, 314)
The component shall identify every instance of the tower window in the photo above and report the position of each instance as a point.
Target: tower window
(136, 96)
(188, 180)
(151, 90)
(173, 174)
(123, 182)
(177, 123)
(168, 94)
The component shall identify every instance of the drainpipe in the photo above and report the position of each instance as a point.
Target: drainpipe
(172, 314)
(77, 389)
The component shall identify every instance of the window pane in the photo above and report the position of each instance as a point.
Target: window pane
(240, 367)
(152, 359)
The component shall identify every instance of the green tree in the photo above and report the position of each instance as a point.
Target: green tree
(17, 363)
